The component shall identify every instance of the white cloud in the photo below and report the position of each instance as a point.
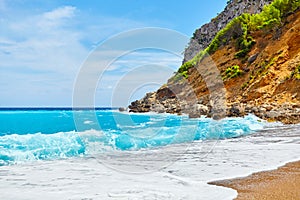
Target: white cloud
(39, 58)
(60, 13)
(56, 17)
(41, 54)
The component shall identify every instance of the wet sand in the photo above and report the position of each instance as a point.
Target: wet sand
(283, 183)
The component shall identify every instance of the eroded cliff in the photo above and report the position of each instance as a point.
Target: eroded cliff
(263, 78)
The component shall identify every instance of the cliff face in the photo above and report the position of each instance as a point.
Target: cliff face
(265, 81)
(204, 35)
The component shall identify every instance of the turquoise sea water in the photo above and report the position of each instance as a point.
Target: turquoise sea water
(38, 134)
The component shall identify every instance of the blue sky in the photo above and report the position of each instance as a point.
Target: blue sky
(43, 44)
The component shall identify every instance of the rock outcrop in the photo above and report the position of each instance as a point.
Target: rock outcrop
(204, 35)
(267, 83)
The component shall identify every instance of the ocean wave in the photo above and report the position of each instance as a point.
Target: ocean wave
(20, 148)
(147, 132)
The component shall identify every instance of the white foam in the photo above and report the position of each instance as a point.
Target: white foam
(88, 122)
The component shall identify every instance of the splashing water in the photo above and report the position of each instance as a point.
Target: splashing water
(28, 135)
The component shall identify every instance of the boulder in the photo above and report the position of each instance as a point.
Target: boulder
(159, 108)
(236, 111)
(202, 109)
(195, 111)
(194, 115)
(252, 58)
(165, 93)
(122, 109)
(272, 114)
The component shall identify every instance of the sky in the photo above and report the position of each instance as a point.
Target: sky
(45, 44)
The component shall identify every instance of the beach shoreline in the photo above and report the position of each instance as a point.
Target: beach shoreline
(280, 183)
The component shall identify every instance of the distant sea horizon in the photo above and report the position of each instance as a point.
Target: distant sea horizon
(67, 108)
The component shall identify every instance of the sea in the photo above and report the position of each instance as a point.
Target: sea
(101, 153)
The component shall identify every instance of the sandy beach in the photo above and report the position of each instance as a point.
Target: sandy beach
(283, 183)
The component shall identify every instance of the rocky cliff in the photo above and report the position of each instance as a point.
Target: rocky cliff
(204, 35)
(263, 78)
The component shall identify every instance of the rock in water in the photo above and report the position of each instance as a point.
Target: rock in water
(122, 109)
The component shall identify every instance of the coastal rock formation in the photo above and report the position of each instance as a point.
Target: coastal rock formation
(204, 35)
(264, 79)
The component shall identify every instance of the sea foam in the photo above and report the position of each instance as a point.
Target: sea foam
(48, 135)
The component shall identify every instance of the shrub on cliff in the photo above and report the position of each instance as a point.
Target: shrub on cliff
(296, 73)
(232, 72)
(239, 29)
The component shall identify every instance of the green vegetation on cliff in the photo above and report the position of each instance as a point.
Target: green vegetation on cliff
(232, 72)
(240, 28)
(296, 73)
